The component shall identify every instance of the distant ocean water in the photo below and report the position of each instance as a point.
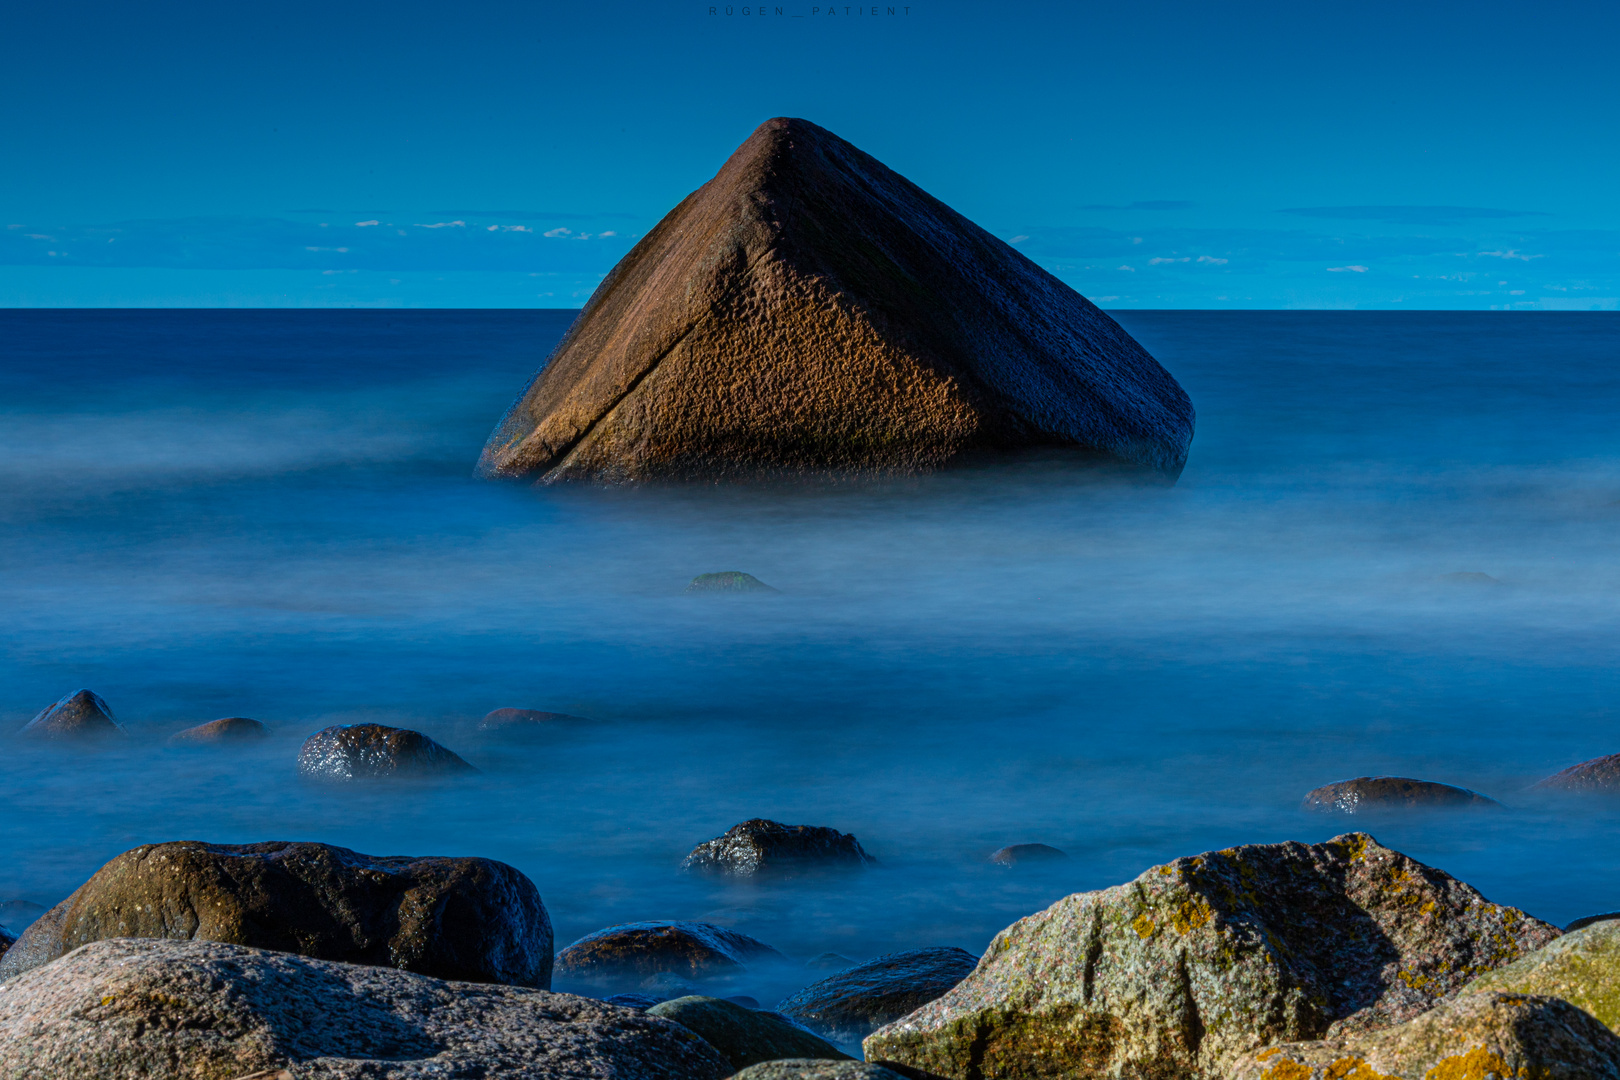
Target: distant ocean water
(273, 514)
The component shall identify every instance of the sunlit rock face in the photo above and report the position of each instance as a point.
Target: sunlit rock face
(810, 311)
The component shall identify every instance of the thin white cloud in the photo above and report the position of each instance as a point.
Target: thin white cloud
(1511, 253)
(558, 232)
(510, 228)
(1018, 239)
(343, 250)
(1160, 261)
(38, 236)
(610, 232)
(363, 224)
(442, 225)
(1132, 269)
(1212, 260)
(1350, 269)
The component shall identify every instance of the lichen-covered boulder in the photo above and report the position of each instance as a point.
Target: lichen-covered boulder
(1016, 854)
(224, 730)
(847, 1006)
(79, 716)
(728, 581)
(758, 846)
(375, 752)
(631, 954)
(1582, 967)
(1391, 793)
(744, 1036)
(193, 1010)
(1473, 1037)
(1600, 776)
(1200, 960)
(816, 1069)
(470, 919)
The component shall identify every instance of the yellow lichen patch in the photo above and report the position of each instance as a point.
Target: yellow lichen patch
(1478, 1064)
(1354, 845)
(1190, 915)
(1287, 1070)
(1415, 979)
(1353, 1068)
(1144, 927)
(1271, 1053)
(107, 1000)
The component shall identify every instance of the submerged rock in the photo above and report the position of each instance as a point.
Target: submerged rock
(475, 920)
(848, 1006)
(1582, 967)
(192, 1010)
(744, 1037)
(816, 1069)
(728, 581)
(1598, 776)
(1393, 793)
(758, 846)
(1203, 959)
(373, 752)
(809, 311)
(1014, 854)
(513, 721)
(227, 729)
(829, 961)
(81, 715)
(633, 953)
(1474, 1037)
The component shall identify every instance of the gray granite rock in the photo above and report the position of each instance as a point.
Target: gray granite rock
(848, 1006)
(347, 752)
(1582, 967)
(1599, 776)
(759, 846)
(743, 1036)
(648, 955)
(816, 1069)
(192, 1010)
(79, 716)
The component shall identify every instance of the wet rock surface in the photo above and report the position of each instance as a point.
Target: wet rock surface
(1474, 1037)
(743, 1036)
(1598, 776)
(1207, 958)
(522, 721)
(829, 961)
(1393, 793)
(470, 919)
(850, 1005)
(1014, 854)
(728, 581)
(224, 730)
(809, 311)
(816, 1069)
(191, 1010)
(375, 752)
(759, 846)
(1582, 967)
(79, 716)
(634, 955)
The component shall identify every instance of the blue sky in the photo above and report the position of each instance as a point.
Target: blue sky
(1152, 154)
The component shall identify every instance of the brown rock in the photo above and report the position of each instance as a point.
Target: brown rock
(1390, 793)
(632, 953)
(1598, 776)
(1013, 854)
(760, 846)
(79, 716)
(846, 1007)
(346, 752)
(522, 720)
(227, 729)
(810, 311)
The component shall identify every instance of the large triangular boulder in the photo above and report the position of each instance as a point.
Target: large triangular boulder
(810, 311)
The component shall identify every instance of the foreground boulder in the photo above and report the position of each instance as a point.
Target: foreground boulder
(1014, 854)
(1474, 1037)
(475, 920)
(1393, 793)
(848, 1006)
(1203, 959)
(743, 1036)
(759, 846)
(224, 730)
(1582, 967)
(1598, 776)
(192, 1010)
(633, 954)
(810, 311)
(375, 752)
(79, 716)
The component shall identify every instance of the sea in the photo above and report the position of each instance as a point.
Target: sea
(1395, 550)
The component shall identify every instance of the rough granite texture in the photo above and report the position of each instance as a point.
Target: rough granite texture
(759, 846)
(743, 1036)
(1582, 967)
(1013, 854)
(810, 311)
(1384, 793)
(1174, 975)
(1472, 1037)
(374, 752)
(79, 715)
(816, 1069)
(226, 729)
(1598, 775)
(470, 919)
(849, 1005)
(192, 1010)
(631, 953)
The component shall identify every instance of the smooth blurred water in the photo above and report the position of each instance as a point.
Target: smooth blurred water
(272, 514)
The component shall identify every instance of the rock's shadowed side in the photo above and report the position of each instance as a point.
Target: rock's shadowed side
(7, 940)
(1391, 793)
(1582, 967)
(1600, 775)
(744, 1037)
(470, 919)
(191, 1010)
(809, 310)
(81, 715)
(226, 729)
(1200, 960)
(375, 752)
(816, 1069)
(847, 1007)
(758, 846)
(631, 953)
(1474, 1037)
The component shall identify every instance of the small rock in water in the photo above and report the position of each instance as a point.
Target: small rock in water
(184, 1010)
(470, 919)
(1469, 577)
(744, 1037)
(632, 954)
(375, 751)
(848, 1006)
(1366, 793)
(829, 961)
(1598, 776)
(522, 720)
(1014, 854)
(227, 729)
(1582, 967)
(728, 581)
(79, 715)
(758, 846)
(816, 1069)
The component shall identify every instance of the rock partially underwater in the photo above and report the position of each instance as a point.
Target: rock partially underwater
(1600, 776)
(1393, 793)
(81, 716)
(629, 955)
(759, 846)
(810, 311)
(848, 1006)
(347, 752)
(227, 729)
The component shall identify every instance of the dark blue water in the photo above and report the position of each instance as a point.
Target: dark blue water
(272, 514)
